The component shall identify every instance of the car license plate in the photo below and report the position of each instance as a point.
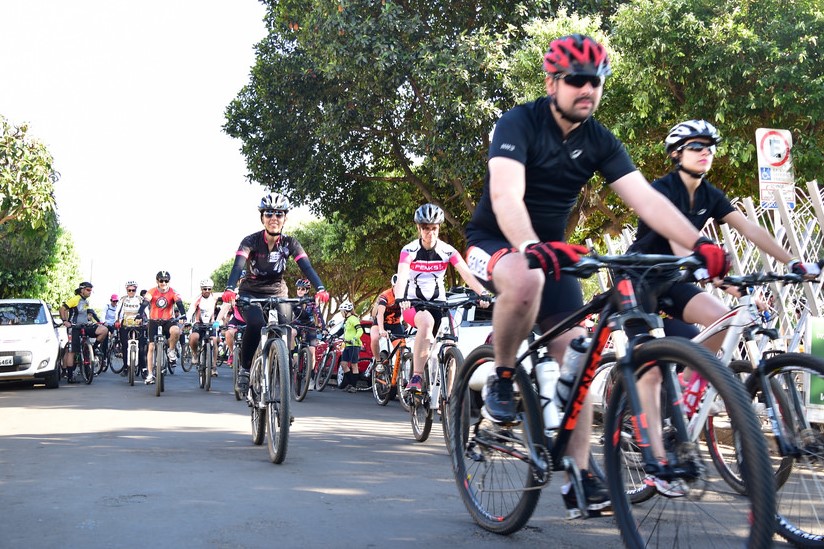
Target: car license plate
(6, 360)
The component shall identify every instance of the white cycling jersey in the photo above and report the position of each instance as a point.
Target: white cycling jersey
(127, 308)
(427, 269)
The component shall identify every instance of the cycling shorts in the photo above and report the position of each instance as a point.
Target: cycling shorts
(351, 354)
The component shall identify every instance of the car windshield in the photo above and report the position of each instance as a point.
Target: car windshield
(22, 314)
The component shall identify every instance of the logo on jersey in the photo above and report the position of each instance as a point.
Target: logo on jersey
(702, 211)
(428, 267)
(162, 302)
(507, 146)
(478, 262)
(576, 153)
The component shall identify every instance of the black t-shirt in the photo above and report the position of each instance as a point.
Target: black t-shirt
(708, 203)
(556, 169)
(265, 269)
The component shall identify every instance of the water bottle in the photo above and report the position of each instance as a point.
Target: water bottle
(547, 372)
(573, 358)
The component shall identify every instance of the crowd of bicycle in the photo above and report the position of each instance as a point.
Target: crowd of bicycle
(510, 416)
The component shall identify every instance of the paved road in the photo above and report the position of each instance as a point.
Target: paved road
(109, 465)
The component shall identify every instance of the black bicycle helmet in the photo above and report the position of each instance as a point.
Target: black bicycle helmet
(303, 283)
(274, 201)
(84, 285)
(577, 54)
(691, 129)
(164, 275)
(429, 214)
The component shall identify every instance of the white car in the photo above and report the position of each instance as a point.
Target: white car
(30, 341)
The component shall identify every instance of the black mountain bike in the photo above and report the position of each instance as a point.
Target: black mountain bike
(500, 468)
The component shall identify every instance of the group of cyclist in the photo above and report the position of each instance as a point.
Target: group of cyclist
(541, 155)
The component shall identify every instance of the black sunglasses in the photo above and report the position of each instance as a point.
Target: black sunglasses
(205, 289)
(580, 80)
(163, 281)
(698, 146)
(276, 213)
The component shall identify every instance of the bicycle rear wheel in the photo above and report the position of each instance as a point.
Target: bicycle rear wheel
(303, 375)
(87, 363)
(185, 354)
(277, 401)
(382, 388)
(257, 401)
(493, 472)
(131, 363)
(707, 509)
(799, 499)
(235, 368)
(325, 370)
(159, 367)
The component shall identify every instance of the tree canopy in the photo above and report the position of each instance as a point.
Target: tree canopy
(364, 110)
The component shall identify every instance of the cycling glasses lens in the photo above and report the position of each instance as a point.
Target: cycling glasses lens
(697, 146)
(130, 290)
(580, 80)
(206, 289)
(276, 213)
(163, 281)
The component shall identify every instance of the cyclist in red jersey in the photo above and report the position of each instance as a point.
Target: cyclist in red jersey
(163, 300)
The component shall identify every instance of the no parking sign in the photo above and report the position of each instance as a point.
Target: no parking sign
(775, 166)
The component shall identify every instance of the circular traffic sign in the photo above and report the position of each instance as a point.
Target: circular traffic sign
(774, 148)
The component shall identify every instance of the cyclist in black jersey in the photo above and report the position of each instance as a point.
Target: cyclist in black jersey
(691, 146)
(263, 256)
(542, 154)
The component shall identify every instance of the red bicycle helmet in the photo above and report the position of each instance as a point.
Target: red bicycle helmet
(577, 54)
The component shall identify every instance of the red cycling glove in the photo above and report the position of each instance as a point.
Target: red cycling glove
(715, 258)
(551, 257)
(322, 296)
(229, 295)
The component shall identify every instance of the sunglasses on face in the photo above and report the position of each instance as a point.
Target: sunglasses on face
(163, 281)
(580, 80)
(276, 213)
(205, 289)
(697, 146)
(131, 290)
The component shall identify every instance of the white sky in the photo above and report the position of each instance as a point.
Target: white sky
(129, 99)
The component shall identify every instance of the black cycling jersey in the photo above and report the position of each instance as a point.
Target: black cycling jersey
(264, 268)
(708, 203)
(556, 168)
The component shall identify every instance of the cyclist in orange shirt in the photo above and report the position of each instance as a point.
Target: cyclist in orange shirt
(387, 320)
(163, 299)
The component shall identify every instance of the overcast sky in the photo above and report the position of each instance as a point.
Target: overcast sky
(129, 99)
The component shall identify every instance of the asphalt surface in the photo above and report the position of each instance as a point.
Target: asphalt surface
(108, 465)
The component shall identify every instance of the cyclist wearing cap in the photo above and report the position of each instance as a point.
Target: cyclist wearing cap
(691, 146)
(307, 320)
(263, 256)
(421, 270)
(75, 312)
(163, 300)
(201, 314)
(126, 318)
(387, 320)
(541, 155)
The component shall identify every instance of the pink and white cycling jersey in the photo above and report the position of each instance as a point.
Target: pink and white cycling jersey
(427, 269)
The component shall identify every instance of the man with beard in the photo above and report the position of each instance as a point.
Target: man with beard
(541, 156)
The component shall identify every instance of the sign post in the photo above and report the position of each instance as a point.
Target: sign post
(775, 167)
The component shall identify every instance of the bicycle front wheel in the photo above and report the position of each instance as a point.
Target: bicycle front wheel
(132, 363)
(116, 363)
(87, 363)
(159, 367)
(325, 370)
(257, 399)
(382, 380)
(235, 368)
(421, 412)
(702, 504)
(490, 462)
(209, 363)
(404, 376)
(277, 401)
(303, 375)
(452, 363)
(792, 378)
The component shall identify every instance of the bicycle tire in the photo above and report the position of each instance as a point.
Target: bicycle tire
(258, 411)
(421, 412)
(235, 369)
(404, 376)
(382, 381)
(114, 363)
(208, 357)
(185, 355)
(452, 363)
(87, 361)
(201, 363)
(132, 365)
(499, 490)
(747, 520)
(724, 456)
(277, 401)
(159, 367)
(325, 371)
(799, 498)
(303, 375)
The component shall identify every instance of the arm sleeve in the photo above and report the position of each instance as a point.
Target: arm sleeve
(180, 308)
(237, 269)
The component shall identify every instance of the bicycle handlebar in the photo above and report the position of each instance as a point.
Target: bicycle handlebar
(758, 279)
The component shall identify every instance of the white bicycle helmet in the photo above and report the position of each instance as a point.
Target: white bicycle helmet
(429, 214)
(346, 306)
(207, 283)
(131, 283)
(274, 201)
(690, 129)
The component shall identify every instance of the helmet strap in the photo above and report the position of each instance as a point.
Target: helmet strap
(696, 175)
